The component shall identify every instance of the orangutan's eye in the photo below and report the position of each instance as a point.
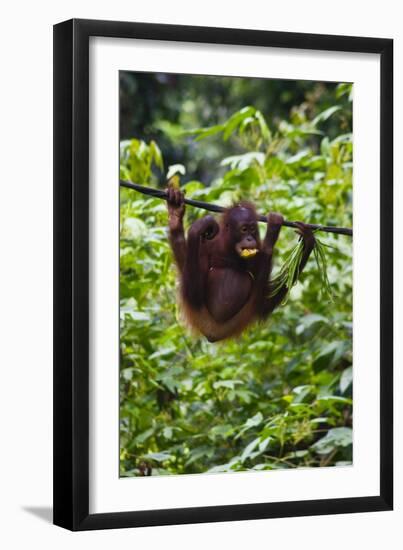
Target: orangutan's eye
(244, 229)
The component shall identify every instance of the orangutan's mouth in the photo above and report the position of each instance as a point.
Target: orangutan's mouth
(248, 252)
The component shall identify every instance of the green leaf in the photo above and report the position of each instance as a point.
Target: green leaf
(249, 449)
(156, 155)
(325, 115)
(266, 134)
(167, 432)
(235, 120)
(335, 438)
(265, 443)
(309, 321)
(202, 133)
(297, 157)
(133, 228)
(329, 355)
(159, 457)
(346, 379)
(162, 352)
(142, 437)
(302, 392)
(254, 421)
(244, 161)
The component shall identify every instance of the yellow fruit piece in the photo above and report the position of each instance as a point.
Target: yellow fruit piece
(248, 252)
(174, 182)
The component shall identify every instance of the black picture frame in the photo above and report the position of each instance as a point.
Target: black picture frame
(72, 284)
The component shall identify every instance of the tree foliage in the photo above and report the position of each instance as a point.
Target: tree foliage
(280, 396)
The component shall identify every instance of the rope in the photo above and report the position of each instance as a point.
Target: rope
(216, 208)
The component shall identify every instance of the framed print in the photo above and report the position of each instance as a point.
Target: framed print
(223, 274)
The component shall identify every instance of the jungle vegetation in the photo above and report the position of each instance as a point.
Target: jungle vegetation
(280, 396)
